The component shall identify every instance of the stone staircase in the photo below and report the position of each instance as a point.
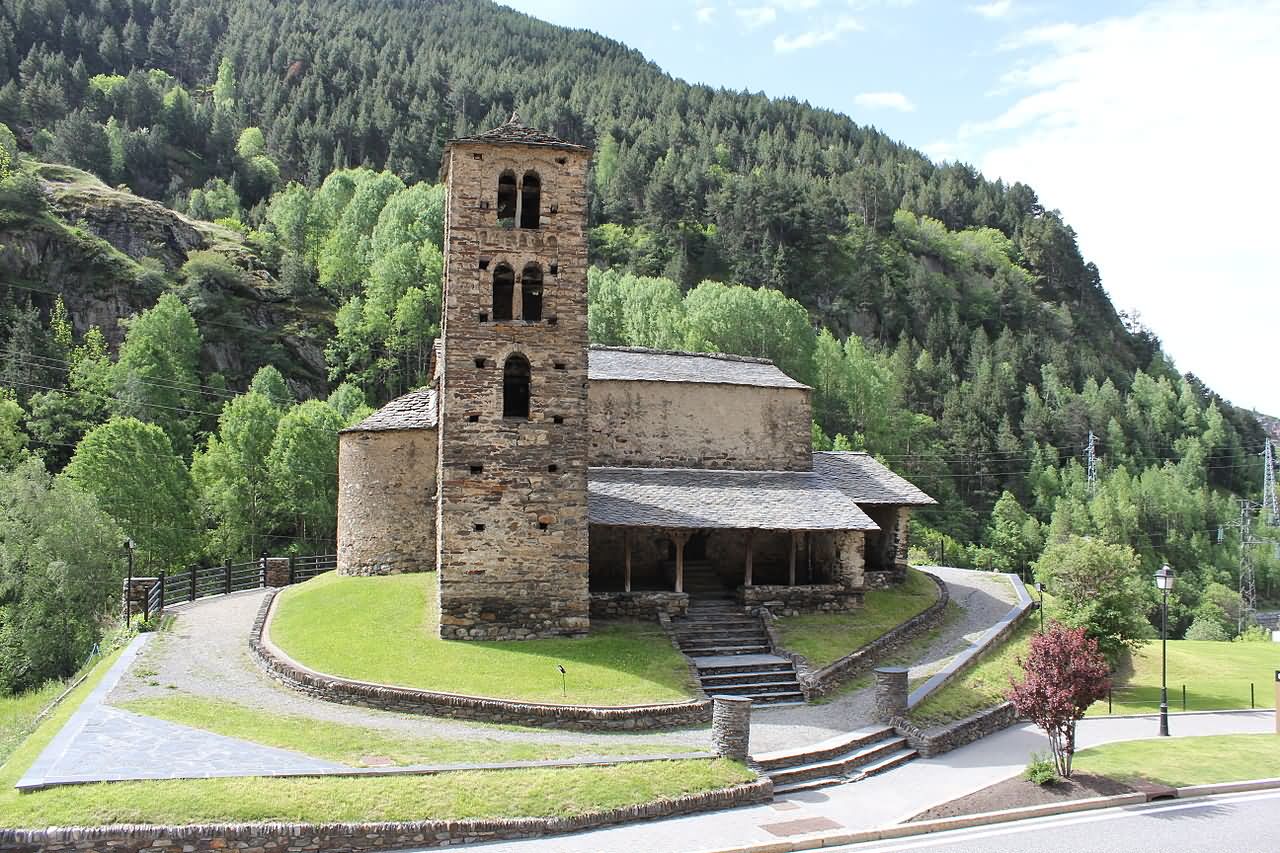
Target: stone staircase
(702, 581)
(730, 649)
(845, 758)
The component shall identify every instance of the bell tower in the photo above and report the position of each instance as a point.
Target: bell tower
(511, 526)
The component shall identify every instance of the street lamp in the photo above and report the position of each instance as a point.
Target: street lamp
(1164, 583)
(1040, 589)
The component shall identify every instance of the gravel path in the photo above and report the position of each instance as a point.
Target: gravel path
(206, 653)
(981, 600)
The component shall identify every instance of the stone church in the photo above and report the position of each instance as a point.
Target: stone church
(546, 480)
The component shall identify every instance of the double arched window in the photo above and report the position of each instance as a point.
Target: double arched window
(504, 290)
(515, 387)
(519, 205)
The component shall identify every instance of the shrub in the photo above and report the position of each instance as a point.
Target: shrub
(1040, 769)
(1206, 627)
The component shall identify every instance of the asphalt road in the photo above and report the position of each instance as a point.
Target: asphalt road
(1232, 823)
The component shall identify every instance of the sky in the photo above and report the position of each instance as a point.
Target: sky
(1152, 127)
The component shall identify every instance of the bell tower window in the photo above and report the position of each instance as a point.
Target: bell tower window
(531, 293)
(504, 288)
(530, 200)
(515, 387)
(507, 198)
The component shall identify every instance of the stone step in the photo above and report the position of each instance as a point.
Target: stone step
(794, 697)
(757, 663)
(807, 785)
(697, 649)
(889, 762)
(842, 765)
(702, 630)
(752, 688)
(750, 675)
(823, 750)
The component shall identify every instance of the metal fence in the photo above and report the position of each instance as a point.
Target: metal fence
(198, 582)
(1232, 696)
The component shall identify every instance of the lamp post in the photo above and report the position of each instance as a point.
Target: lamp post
(128, 590)
(1040, 589)
(1164, 583)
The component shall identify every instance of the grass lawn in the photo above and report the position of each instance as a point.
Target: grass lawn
(384, 629)
(18, 714)
(352, 745)
(452, 796)
(1186, 760)
(826, 637)
(986, 682)
(1217, 677)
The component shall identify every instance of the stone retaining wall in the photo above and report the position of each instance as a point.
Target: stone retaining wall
(802, 598)
(825, 679)
(644, 605)
(358, 836)
(940, 739)
(409, 701)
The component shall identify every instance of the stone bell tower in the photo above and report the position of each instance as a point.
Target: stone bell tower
(511, 541)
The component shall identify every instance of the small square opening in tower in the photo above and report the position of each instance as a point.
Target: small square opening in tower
(557, 419)
(478, 528)
(477, 469)
(562, 160)
(555, 269)
(484, 263)
(542, 525)
(477, 156)
(553, 468)
(552, 320)
(473, 419)
(483, 317)
(560, 365)
(480, 361)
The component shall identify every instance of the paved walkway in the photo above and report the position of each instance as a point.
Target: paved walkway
(982, 599)
(890, 798)
(104, 744)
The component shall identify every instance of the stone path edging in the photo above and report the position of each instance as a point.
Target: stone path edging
(819, 682)
(388, 697)
(205, 838)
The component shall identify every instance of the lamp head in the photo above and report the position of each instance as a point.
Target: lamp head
(1164, 579)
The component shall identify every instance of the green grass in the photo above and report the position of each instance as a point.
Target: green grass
(986, 682)
(1185, 761)
(384, 629)
(452, 796)
(824, 638)
(1217, 676)
(18, 714)
(352, 745)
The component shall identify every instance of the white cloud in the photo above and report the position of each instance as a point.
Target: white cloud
(1153, 135)
(704, 14)
(884, 101)
(756, 16)
(813, 38)
(994, 9)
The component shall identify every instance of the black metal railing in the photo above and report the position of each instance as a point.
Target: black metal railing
(198, 582)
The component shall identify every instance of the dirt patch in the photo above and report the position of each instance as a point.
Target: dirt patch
(1018, 792)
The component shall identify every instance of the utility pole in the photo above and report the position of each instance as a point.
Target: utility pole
(1269, 500)
(1248, 586)
(1091, 456)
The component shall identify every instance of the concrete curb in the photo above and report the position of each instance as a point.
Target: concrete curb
(925, 827)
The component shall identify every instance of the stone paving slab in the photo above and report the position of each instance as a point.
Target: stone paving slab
(736, 660)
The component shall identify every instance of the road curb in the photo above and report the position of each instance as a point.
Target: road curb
(925, 827)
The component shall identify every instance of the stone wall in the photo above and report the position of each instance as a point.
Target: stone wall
(682, 425)
(512, 519)
(803, 598)
(386, 501)
(940, 739)
(359, 836)
(641, 604)
(431, 703)
(850, 559)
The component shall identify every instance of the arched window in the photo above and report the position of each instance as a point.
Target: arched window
(515, 387)
(507, 198)
(531, 293)
(504, 288)
(530, 200)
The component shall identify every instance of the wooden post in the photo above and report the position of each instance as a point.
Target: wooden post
(791, 562)
(680, 538)
(626, 560)
(747, 571)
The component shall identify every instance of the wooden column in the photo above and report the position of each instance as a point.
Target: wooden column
(747, 572)
(680, 537)
(791, 562)
(626, 560)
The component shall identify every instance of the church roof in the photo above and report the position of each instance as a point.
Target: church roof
(699, 498)
(649, 365)
(864, 480)
(515, 132)
(415, 410)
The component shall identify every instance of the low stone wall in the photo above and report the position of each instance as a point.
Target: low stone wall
(644, 604)
(802, 598)
(885, 579)
(406, 700)
(358, 836)
(940, 739)
(818, 682)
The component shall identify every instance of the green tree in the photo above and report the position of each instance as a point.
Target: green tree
(1099, 587)
(13, 439)
(304, 467)
(224, 88)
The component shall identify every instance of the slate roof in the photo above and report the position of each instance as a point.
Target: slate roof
(415, 410)
(864, 480)
(649, 365)
(698, 498)
(515, 132)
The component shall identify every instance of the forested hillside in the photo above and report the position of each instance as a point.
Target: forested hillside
(253, 183)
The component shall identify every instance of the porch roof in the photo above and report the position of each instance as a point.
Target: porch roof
(701, 499)
(860, 477)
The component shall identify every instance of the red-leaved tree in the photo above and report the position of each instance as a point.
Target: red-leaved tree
(1062, 676)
